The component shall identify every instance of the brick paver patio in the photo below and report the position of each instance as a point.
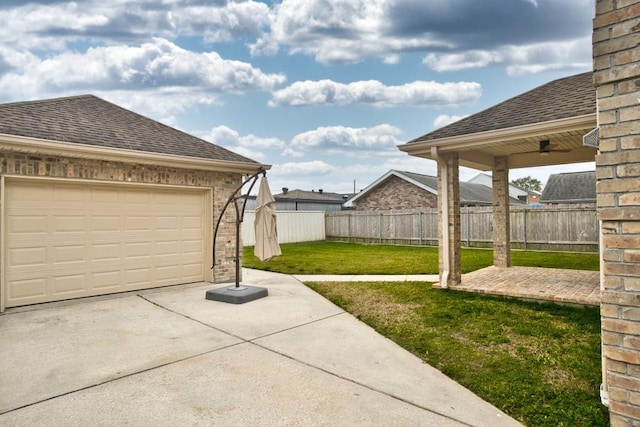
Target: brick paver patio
(542, 284)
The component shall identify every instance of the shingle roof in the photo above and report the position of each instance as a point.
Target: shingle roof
(315, 196)
(572, 187)
(470, 193)
(90, 120)
(563, 98)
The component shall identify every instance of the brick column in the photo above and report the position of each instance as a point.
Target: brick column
(448, 174)
(501, 227)
(616, 53)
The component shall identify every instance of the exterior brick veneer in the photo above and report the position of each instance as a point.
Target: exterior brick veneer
(501, 216)
(616, 52)
(396, 194)
(452, 179)
(222, 183)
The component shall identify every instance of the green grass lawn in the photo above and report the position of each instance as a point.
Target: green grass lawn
(354, 258)
(540, 363)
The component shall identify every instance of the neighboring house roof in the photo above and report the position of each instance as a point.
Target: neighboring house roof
(470, 193)
(89, 120)
(571, 187)
(514, 190)
(310, 196)
(567, 97)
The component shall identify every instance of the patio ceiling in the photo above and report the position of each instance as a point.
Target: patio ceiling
(562, 111)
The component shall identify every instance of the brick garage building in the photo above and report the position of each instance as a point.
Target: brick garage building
(616, 53)
(97, 199)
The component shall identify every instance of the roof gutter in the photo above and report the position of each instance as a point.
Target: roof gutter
(28, 145)
(466, 141)
(444, 209)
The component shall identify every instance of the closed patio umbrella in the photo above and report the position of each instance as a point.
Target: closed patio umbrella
(266, 233)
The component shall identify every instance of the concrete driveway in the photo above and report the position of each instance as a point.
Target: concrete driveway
(171, 357)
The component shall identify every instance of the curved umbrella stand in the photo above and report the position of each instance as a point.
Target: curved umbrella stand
(236, 294)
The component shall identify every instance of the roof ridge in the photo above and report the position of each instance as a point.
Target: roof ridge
(49, 100)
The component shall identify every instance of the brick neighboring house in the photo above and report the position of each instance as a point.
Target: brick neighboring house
(570, 187)
(98, 199)
(398, 190)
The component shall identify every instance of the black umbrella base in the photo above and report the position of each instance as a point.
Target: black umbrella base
(236, 295)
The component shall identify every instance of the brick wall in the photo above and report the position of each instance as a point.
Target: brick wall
(396, 193)
(223, 184)
(501, 216)
(616, 55)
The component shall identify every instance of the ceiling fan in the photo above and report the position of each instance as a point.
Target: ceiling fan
(547, 147)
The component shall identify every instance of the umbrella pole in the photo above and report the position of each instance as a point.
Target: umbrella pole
(238, 224)
(236, 294)
(239, 218)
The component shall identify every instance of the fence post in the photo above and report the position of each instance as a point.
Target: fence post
(420, 228)
(468, 227)
(524, 226)
(349, 227)
(380, 228)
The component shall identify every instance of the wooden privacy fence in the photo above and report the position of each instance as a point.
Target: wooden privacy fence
(557, 227)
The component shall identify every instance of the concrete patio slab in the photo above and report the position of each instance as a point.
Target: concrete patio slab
(240, 386)
(167, 357)
(63, 348)
(359, 354)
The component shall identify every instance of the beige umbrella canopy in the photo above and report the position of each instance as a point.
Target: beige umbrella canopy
(266, 246)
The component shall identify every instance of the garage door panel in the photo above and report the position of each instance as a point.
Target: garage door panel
(105, 252)
(192, 246)
(66, 284)
(90, 239)
(29, 257)
(138, 223)
(34, 226)
(192, 270)
(29, 290)
(65, 254)
(109, 223)
(69, 224)
(106, 280)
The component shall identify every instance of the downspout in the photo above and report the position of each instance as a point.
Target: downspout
(444, 205)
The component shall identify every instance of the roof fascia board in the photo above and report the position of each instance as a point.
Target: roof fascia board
(60, 148)
(501, 135)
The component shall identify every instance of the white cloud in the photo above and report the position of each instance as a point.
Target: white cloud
(339, 31)
(377, 140)
(247, 145)
(55, 26)
(375, 93)
(157, 65)
(445, 119)
(314, 167)
(225, 136)
(518, 60)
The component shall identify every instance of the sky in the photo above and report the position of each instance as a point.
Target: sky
(322, 90)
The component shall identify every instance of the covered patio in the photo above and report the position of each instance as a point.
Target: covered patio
(542, 127)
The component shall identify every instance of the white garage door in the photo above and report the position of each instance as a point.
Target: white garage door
(73, 239)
